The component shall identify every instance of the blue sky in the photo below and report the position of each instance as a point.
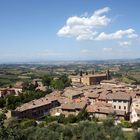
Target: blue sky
(32, 30)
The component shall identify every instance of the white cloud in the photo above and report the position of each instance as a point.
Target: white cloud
(125, 43)
(85, 14)
(101, 11)
(83, 28)
(107, 49)
(86, 51)
(86, 27)
(129, 33)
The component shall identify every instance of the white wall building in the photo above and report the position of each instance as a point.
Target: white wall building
(135, 110)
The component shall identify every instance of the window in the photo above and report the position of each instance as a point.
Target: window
(114, 107)
(124, 107)
(119, 107)
(125, 101)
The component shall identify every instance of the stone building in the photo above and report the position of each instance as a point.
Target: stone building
(36, 108)
(121, 101)
(135, 110)
(90, 79)
(72, 108)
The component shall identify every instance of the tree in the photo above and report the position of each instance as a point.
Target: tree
(25, 85)
(47, 80)
(12, 131)
(81, 73)
(2, 118)
(2, 102)
(136, 136)
(50, 119)
(85, 130)
(57, 84)
(82, 115)
(108, 123)
(27, 123)
(61, 118)
(136, 125)
(3, 131)
(65, 80)
(67, 133)
(126, 124)
(36, 84)
(12, 101)
(112, 132)
(86, 73)
(71, 118)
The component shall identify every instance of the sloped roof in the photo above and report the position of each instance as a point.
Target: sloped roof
(73, 106)
(121, 96)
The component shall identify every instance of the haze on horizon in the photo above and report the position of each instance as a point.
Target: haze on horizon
(44, 30)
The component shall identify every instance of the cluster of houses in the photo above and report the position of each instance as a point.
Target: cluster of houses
(96, 93)
(17, 88)
(4, 92)
(101, 100)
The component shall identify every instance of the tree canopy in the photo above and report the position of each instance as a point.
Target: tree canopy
(28, 130)
(58, 83)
